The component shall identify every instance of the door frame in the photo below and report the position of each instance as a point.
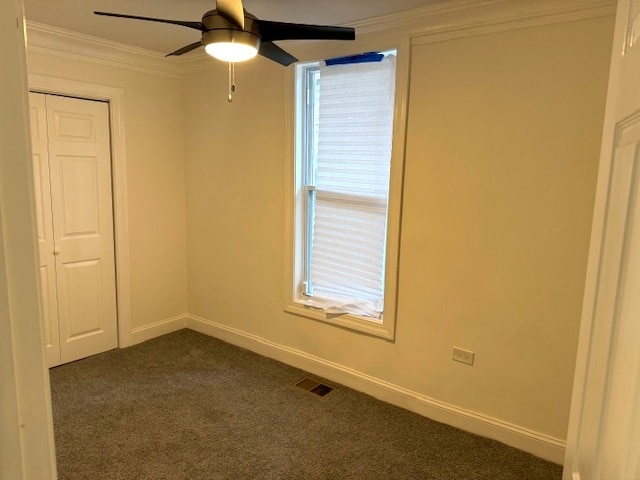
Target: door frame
(608, 270)
(115, 97)
(27, 447)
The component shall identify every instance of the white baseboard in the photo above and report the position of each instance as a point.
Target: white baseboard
(538, 444)
(157, 329)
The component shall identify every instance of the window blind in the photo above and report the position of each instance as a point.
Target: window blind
(351, 174)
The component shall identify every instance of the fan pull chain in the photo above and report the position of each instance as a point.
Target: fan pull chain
(232, 80)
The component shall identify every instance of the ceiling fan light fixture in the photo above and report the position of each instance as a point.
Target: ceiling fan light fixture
(231, 52)
(228, 36)
(231, 45)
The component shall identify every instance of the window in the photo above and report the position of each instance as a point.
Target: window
(345, 250)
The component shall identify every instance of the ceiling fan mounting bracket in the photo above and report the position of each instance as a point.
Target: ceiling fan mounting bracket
(213, 20)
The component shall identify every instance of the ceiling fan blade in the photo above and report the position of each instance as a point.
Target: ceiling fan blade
(231, 10)
(275, 53)
(195, 25)
(185, 49)
(272, 31)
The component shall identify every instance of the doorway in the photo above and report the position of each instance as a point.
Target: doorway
(74, 205)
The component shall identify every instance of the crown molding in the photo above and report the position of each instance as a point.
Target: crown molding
(455, 19)
(433, 23)
(510, 15)
(456, 14)
(56, 41)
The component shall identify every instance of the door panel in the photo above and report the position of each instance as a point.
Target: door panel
(79, 180)
(82, 282)
(80, 166)
(604, 429)
(623, 395)
(74, 127)
(49, 304)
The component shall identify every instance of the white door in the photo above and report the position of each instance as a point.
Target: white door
(40, 149)
(604, 429)
(79, 205)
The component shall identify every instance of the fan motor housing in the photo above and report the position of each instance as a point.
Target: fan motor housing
(219, 29)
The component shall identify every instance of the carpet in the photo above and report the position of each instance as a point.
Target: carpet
(188, 406)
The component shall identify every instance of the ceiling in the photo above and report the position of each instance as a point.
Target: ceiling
(77, 16)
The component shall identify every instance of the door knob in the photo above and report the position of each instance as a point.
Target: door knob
(56, 251)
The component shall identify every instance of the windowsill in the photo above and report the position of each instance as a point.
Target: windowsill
(370, 326)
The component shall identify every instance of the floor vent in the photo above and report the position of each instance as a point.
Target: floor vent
(315, 387)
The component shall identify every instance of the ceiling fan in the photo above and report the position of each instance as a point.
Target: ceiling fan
(231, 34)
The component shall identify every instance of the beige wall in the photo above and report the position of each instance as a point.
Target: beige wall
(502, 147)
(236, 194)
(154, 145)
(502, 151)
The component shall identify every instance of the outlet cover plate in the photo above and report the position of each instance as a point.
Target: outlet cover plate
(463, 356)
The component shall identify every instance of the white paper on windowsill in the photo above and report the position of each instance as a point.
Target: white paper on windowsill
(341, 306)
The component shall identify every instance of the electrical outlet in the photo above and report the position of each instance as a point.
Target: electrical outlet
(463, 356)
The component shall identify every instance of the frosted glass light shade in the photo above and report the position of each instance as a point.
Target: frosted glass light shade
(231, 51)
(232, 45)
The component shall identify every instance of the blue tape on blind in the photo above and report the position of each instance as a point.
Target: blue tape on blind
(361, 58)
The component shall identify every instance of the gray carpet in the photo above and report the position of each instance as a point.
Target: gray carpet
(187, 406)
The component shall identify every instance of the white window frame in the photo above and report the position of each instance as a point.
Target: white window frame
(296, 204)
